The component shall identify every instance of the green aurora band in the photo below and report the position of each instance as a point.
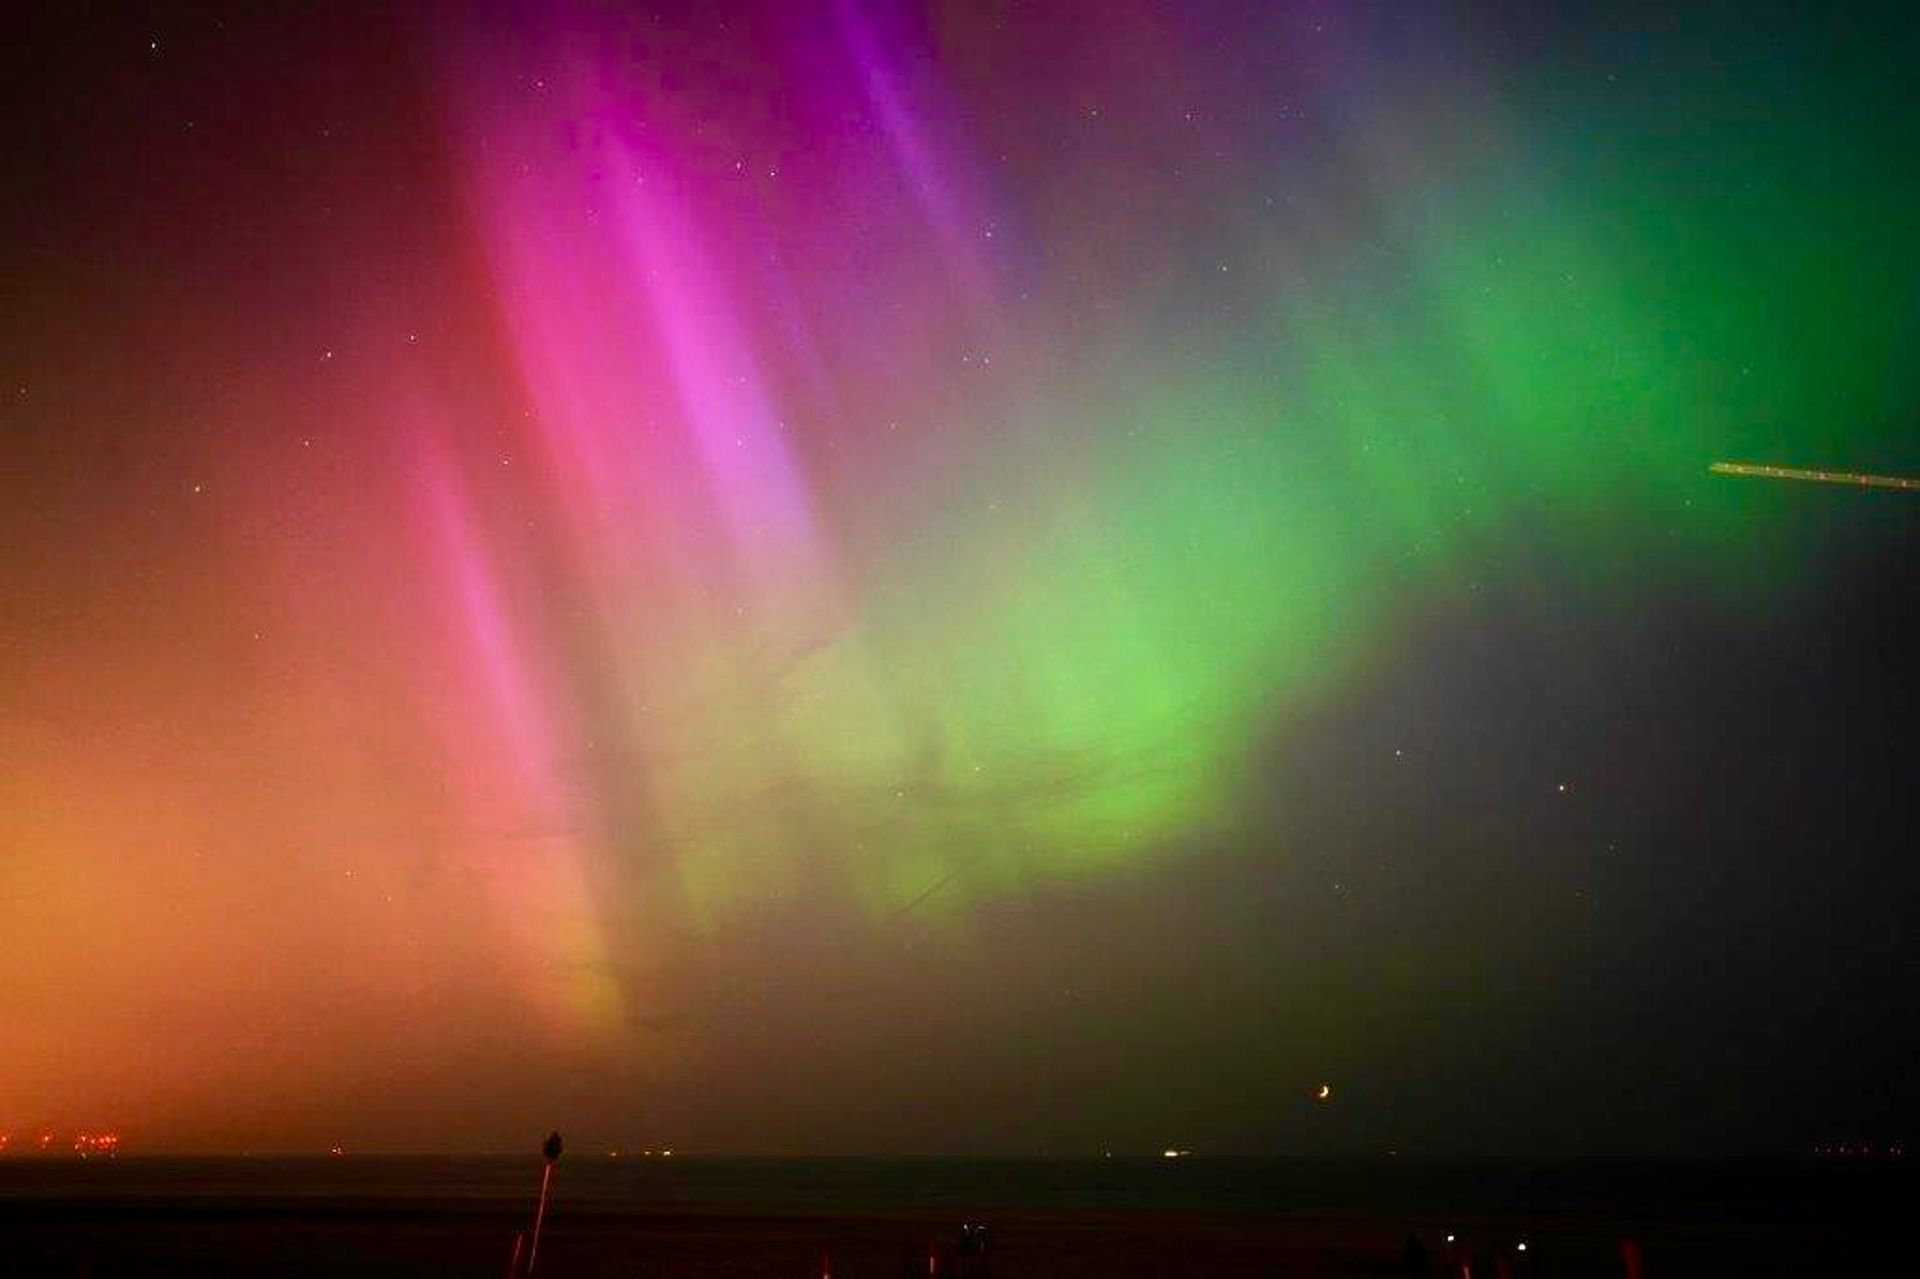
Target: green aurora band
(1555, 341)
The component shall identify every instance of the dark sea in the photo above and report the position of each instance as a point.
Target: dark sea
(1803, 1191)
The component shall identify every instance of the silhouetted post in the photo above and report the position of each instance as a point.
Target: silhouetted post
(1415, 1255)
(552, 1151)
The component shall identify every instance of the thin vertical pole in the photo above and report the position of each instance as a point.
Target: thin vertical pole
(539, 1215)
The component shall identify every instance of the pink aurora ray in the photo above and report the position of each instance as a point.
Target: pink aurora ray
(665, 356)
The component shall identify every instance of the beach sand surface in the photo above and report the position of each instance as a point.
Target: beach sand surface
(371, 1219)
(368, 1241)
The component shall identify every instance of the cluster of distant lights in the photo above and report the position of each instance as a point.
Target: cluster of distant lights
(85, 1144)
(1860, 1150)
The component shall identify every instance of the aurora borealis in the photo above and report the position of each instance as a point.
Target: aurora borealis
(769, 577)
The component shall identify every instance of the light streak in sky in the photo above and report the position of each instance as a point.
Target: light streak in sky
(1860, 479)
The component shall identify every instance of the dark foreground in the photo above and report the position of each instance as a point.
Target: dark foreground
(368, 1217)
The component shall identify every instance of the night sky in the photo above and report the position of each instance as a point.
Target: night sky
(959, 577)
